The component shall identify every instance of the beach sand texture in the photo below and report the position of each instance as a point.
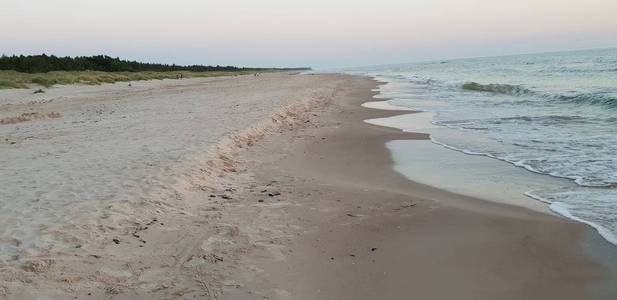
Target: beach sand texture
(253, 187)
(362, 231)
(120, 160)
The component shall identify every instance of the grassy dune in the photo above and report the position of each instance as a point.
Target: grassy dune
(13, 79)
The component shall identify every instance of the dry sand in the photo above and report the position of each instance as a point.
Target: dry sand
(254, 187)
(121, 193)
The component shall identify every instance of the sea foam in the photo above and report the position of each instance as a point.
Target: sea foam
(552, 114)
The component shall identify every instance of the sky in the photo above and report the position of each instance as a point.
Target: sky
(316, 33)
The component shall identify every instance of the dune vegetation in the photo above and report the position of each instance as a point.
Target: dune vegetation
(13, 79)
(48, 70)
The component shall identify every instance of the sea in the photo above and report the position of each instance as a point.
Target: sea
(553, 114)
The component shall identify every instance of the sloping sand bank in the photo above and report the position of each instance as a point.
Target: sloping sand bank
(120, 193)
(255, 187)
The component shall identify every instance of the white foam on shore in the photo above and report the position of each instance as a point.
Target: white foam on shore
(384, 105)
(563, 210)
(473, 182)
(475, 176)
(414, 122)
(425, 162)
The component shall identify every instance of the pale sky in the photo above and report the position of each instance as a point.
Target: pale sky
(316, 33)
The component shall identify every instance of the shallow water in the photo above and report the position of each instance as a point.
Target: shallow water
(553, 114)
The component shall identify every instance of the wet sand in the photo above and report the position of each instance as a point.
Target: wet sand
(362, 231)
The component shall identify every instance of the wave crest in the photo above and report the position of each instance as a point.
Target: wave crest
(590, 99)
(507, 89)
(593, 99)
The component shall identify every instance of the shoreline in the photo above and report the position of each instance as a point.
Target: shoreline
(299, 201)
(418, 124)
(371, 233)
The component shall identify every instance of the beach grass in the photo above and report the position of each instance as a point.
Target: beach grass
(17, 80)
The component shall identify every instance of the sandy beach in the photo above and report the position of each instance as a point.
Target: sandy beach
(252, 187)
(365, 232)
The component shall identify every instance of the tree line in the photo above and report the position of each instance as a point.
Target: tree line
(46, 63)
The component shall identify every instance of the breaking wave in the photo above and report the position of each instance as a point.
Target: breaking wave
(552, 114)
(594, 99)
(507, 89)
(601, 99)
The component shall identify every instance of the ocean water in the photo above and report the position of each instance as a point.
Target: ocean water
(553, 114)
